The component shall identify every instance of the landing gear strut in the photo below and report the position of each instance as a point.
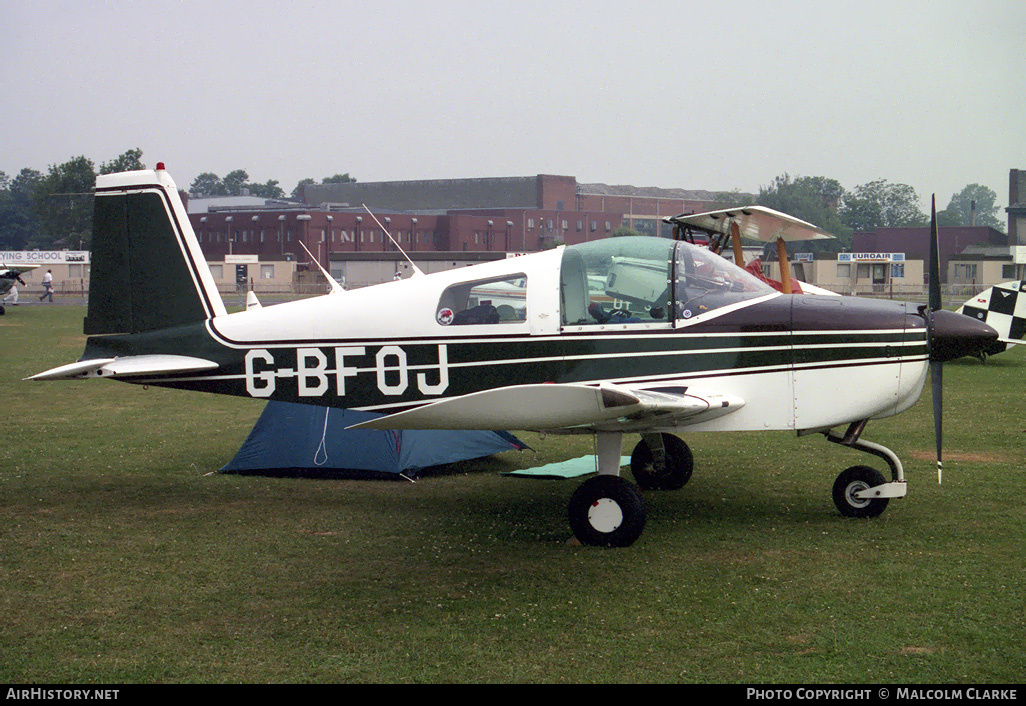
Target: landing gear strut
(861, 491)
(608, 510)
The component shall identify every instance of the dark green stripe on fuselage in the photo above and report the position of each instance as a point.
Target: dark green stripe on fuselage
(407, 372)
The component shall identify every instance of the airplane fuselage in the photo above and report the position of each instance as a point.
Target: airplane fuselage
(798, 356)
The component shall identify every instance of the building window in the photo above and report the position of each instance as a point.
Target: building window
(530, 224)
(965, 272)
(843, 271)
(898, 270)
(217, 271)
(266, 271)
(1007, 271)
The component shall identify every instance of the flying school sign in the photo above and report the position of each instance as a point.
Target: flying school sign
(43, 257)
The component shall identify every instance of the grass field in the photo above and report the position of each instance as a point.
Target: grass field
(124, 560)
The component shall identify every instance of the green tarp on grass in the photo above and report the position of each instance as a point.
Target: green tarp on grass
(564, 469)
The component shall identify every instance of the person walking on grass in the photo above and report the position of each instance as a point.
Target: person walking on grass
(48, 286)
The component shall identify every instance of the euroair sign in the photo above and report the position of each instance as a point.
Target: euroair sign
(871, 257)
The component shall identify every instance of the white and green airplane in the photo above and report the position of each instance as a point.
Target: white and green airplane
(642, 335)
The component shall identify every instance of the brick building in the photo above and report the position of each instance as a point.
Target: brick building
(450, 218)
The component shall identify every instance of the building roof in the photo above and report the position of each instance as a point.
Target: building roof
(654, 192)
(213, 203)
(429, 194)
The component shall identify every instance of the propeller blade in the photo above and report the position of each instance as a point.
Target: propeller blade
(937, 384)
(935, 291)
(936, 368)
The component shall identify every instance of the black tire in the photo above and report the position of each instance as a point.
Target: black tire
(607, 511)
(676, 470)
(853, 480)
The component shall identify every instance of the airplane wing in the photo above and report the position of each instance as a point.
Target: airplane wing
(17, 268)
(756, 223)
(567, 408)
(127, 366)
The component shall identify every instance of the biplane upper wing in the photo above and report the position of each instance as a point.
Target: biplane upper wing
(755, 222)
(17, 268)
(566, 407)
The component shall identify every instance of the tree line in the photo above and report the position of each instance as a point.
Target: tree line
(877, 204)
(54, 211)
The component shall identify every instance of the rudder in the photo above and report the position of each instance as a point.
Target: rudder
(148, 271)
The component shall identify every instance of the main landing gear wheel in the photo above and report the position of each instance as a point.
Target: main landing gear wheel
(671, 473)
(852, 481)
(607, 511)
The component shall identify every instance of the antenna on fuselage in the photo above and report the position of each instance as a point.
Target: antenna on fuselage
(416, 270)
(336, 288)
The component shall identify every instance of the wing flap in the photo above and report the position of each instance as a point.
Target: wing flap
(564, 408)
(126, 367)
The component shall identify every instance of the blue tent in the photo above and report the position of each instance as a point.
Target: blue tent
(303, 438)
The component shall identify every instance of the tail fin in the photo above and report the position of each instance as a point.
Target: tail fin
(148, 271)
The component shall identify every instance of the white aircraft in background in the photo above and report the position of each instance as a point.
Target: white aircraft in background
(1003, 307)
(654, 336)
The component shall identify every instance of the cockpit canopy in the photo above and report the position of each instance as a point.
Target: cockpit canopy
(648, 280)
(633, 280)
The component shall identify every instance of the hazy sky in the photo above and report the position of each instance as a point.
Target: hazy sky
(721, 94)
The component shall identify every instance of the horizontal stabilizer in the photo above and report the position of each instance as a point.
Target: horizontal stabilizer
(128, 366)
(563, 407)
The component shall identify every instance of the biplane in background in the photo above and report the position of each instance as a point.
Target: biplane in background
(616, 336)
(10, 277)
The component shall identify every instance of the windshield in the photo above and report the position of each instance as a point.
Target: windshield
(627, 280)
(707, 281)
